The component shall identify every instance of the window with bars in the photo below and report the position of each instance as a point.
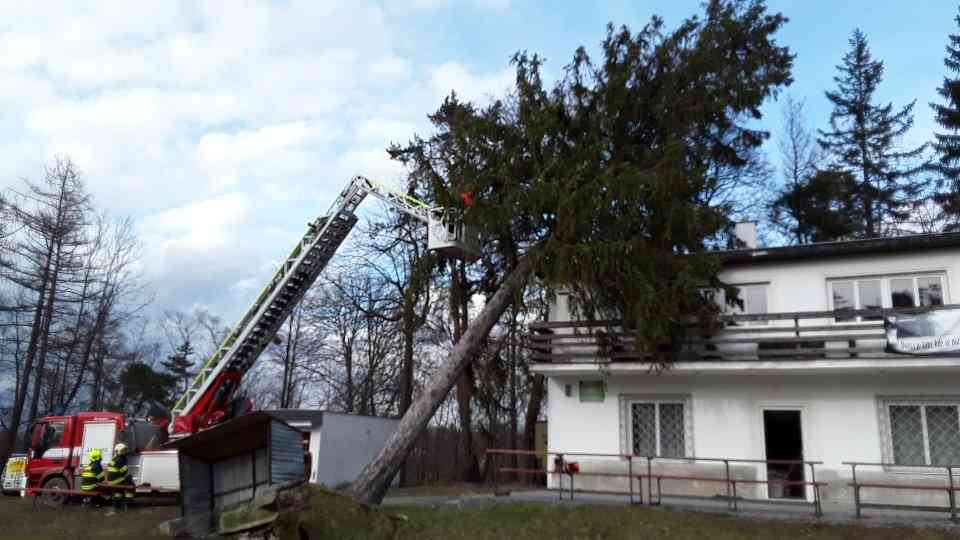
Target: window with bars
(924, 433)
(657, 428)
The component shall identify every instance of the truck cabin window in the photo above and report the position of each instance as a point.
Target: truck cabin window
(46, 436)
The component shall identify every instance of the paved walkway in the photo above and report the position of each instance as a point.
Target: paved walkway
(832, 512)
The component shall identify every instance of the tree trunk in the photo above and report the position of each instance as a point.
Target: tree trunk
(372, 483)
(21, 396)
(533, 412)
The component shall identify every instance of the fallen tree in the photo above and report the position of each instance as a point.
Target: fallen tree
(372, 484)
(612, 184)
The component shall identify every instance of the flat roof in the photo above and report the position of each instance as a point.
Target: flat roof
(895, 244)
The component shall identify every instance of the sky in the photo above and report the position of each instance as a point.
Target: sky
(223, 127)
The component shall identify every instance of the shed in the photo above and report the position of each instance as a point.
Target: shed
(234, 461)
(340, 444)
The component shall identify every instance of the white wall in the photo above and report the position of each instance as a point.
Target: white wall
(802, 285)
(345, 444)
(839, 414)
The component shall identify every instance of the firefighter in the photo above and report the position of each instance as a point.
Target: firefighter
(91, 476)
(118, 474)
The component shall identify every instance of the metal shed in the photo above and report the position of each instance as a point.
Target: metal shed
(232, 462)
(341, 444)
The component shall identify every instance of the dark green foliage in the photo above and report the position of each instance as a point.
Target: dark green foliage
(179, 364)
(946, 144)
(821, 208)
(606, 176)
(144, 389)
(863, 139)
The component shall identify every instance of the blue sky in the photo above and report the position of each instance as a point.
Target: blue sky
(223, 127)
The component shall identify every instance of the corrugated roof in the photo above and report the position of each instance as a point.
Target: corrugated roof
(229, 439)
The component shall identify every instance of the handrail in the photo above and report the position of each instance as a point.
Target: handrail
(950, 488)
(561, 468)
(779, 316)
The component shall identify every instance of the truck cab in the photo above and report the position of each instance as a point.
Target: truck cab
(59, 446)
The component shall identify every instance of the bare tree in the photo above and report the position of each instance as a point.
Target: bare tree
(48, 252)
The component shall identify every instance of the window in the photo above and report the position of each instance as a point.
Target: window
(657, 428)
(46, 436)
(885, 292)
(754, 298)
(923, 433)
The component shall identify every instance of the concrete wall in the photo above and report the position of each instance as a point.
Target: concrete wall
(345, 444)
(840, 422)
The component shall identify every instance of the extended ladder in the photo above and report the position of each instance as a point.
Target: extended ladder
(251, 335)
(301, 268)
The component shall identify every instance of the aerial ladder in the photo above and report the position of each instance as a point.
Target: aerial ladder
(209, 399)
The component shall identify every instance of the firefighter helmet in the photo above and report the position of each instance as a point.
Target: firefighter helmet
(119, 449)
(96, 454)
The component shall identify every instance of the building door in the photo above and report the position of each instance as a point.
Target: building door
(783, 438)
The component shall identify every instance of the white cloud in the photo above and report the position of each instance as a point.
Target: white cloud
(454, 76)
(221, 126)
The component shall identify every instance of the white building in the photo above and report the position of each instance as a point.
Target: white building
(341, 444)
(816, 386)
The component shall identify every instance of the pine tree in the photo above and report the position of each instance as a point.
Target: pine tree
(863, 139)
(820, 208)
(179, 364)
(946, 145)
(602, 181)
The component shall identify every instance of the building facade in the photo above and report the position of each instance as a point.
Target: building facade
(801, 371)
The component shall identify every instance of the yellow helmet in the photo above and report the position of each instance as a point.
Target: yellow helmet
(96, 455)
(119, 449)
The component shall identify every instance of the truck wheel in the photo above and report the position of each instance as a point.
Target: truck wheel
(55, 499)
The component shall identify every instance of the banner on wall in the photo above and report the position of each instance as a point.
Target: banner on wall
(924, 334)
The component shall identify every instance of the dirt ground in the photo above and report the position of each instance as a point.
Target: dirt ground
(22, 520)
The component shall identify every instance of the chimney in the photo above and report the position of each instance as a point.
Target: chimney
(745, 234)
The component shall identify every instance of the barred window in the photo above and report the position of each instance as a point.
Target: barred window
(924, 433)
(657, 428)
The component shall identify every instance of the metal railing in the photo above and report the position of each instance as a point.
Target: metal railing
(950, 489)
(807, 335)
(563, 467)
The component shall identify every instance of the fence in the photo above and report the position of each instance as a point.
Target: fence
(950, 489)
(805, 335)
(643, 471)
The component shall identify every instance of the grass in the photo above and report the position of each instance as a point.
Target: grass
(332, 516)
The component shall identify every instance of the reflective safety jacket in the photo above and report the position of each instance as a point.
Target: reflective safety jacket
(91, 476)
(117, 471)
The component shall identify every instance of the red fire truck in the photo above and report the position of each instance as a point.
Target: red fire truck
(59, 446)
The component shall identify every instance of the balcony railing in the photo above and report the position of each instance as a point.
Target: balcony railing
(808, 335)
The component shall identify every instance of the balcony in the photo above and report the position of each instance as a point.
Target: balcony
(811, 335)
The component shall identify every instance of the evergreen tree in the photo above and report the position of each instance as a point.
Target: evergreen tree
(144, 389)
(179, 364)
(863, 139)
(598, 184)
(820, 208)
(946, 145)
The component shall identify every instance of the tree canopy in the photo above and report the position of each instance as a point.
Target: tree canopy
(606, 174)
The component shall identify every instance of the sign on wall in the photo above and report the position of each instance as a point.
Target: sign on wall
(930, 333)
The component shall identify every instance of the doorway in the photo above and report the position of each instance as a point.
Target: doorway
(783, 438)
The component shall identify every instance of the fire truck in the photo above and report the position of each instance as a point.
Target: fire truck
(59, 445)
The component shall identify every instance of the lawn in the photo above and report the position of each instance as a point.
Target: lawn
(335, 517)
